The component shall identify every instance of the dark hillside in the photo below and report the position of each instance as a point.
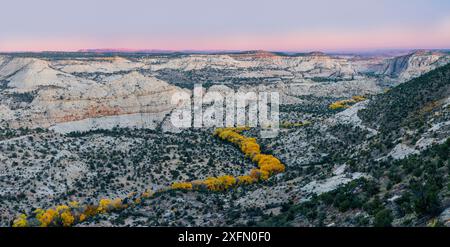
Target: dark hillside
(409, 104)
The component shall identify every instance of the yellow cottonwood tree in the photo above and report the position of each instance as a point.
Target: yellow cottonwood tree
(259, 174)
(345, 103)
(48, 217)
(74, 204)
(246, 180)
(213, 184)
(249, 147)
(117, 203)
(358, 98)
(103, 205)
(82, 218)
(67, 218)
(90, 210)
(182, 186)
(21, 221)
(147, 194)
(269, 163)
(227, 181)
(62, 208)
(38, 212)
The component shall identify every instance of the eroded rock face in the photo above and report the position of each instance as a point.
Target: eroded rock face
(415, 64)
(117, 95)
(58, 97)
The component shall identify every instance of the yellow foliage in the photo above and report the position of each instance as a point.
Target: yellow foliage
(249, 147)
(231, 136)
(106, 205)
(61, 208)
(20, 221)
(246, 179)
(218, 131)
(182, 186)
(294, 125)
(147, 194)
(39, 212)
(47, 217)
(219, 183)
(116, 203)
(270, 164)
(259, 174)
(345, 103)
(358, 98)
(67, 218)
(228, 181)
(338, 105)
(103, 205)
(82, 217)
(212, 184)
(90, 210)
(257, 157)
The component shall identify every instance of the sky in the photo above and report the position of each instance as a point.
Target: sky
(277, 25)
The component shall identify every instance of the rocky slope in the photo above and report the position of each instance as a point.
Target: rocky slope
(418, 114)
(92, 128)
(399, 141)
(334, 175)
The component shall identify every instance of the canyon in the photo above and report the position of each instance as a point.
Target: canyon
(90, 125)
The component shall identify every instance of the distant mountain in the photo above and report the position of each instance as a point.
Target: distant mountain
(125, 50)
(155, 51)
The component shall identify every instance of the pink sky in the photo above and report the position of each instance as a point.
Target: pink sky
(283, 25)
(323, 41)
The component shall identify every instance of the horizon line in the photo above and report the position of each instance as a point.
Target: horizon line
(156, 50)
